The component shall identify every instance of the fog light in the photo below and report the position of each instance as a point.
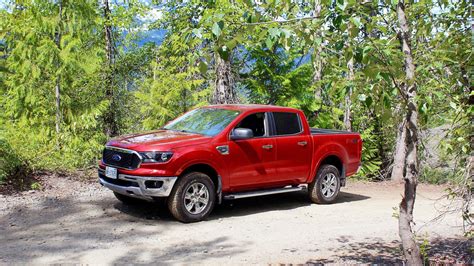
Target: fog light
(153, 184)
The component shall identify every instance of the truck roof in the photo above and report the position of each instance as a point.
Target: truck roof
(248, 107)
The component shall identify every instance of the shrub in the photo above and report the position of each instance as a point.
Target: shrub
(436, 175)
(12, 166)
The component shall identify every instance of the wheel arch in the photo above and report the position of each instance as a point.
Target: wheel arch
(335, 160)
(208, 170)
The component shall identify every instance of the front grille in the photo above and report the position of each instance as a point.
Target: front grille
(120, 158)
(119, 182)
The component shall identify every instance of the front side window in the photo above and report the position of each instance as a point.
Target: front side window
(255, 122)
(205, 121)
(287, 123)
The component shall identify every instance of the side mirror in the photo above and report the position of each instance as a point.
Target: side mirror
(241, 133)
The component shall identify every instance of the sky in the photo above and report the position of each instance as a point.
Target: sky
(147, 35)
(150, 35)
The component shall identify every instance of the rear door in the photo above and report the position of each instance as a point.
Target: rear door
(252, 161)
(294, 151)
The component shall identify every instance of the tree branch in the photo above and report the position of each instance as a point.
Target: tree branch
(280, 21)
(385, 63)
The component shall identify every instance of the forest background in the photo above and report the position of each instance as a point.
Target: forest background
(76, 73)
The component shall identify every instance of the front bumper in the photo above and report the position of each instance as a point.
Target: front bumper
(142, 187)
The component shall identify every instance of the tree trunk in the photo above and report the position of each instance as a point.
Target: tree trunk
(111, 128)
(466, 193)
(224, 91)
(399, 153)
(405, 220)
(109, 47)
(317, 60)
(57, 89)
(58, 104)
(347, 100)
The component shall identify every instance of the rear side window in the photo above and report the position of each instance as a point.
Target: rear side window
(287, 123)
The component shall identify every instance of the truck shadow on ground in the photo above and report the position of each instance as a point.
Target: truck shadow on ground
(73, 228)
(237, 208)
(65, 230)
(439, 252)
(278, 202)
(185, 253)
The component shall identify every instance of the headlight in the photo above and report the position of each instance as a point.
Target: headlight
(156, 156)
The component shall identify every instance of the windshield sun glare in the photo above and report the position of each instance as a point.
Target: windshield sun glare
(206, 121)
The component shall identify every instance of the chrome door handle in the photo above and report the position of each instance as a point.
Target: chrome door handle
(302, 143)
(267, 147)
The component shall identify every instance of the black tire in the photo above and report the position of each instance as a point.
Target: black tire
(128, 200)
(194, 184)
(322, 190)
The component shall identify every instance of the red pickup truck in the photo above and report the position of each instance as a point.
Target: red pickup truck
(228, 152)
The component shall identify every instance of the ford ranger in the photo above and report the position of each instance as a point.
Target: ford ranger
(225, 152)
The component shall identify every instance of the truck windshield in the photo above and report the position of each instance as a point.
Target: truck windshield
(206, 121)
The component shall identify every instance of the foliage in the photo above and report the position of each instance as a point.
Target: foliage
(48, 43)
(36, 186)
(276, 77)
(436, 176)
(175, 83)
(370, 158)
(271, 46)
(424, 248)
(11, 165)
(35, 63)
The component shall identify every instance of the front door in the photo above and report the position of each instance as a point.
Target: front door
(252, 161)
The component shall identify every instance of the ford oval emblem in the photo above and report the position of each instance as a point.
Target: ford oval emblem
(116, 157)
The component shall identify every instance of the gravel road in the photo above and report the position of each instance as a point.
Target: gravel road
(80, 222)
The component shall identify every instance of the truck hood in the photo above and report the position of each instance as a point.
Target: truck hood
(160, 140)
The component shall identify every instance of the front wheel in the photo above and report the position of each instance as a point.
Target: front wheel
(326, 185)
(193, 197)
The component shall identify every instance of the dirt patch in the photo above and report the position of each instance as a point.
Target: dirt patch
(22, 180)
(73, 221)
(45, 181)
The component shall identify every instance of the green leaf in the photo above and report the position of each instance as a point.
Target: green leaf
(318, 41)
(362, 97)
(286, 33)
(203, 67)
(217, 28)
(197, 32)
(336, 22)
(341, 4)
(231, 44)
(386, 77)
(369, 101)
(274, 32)
(269, 43)
(339, 45)
(224, 52)
(424, 108)
(355, 21)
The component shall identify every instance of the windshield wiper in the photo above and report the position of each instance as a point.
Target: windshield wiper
(185, 131)
(181, 130)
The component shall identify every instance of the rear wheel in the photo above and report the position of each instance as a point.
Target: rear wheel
(193, 197)
(326, 185)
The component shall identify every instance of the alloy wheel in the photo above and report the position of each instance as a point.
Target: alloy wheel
(196, 198)
(329, 185)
